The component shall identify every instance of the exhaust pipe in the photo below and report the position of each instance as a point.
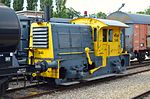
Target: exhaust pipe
(47, 15)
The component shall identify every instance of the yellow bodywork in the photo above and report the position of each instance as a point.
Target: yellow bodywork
(87, 50)
(40, 54)
(51, 72)
(101, 48)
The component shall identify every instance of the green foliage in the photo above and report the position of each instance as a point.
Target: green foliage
(71, 13)
(129, 12)
(6, 2)
(147, 11)
(18, 5)
(93, 15)
(61, 10)
(101, 15)
(32, 4)
(140, 12)
(47, 3)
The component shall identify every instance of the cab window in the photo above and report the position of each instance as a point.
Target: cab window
(95, 34)
(104, 35)
(110, 35)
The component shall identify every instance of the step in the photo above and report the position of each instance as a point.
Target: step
(69, 83)
(100, 77)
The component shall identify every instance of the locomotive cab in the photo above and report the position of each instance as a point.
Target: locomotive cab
(106, 36)
(86, 49)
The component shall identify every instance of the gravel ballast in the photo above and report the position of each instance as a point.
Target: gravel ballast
(124, 88)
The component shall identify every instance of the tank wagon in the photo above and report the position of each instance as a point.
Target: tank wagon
(137, 37)
(85, 50)
(9, 39)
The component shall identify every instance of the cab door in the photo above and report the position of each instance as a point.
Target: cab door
(102, 42)
(108, 42)
(114, 46)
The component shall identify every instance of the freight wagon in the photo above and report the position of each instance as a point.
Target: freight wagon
(137, 37)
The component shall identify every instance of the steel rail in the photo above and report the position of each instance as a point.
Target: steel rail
(142, 96)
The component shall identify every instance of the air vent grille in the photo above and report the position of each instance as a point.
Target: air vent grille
(40, 37)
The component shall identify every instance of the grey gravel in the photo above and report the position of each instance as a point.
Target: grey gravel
(124, 88)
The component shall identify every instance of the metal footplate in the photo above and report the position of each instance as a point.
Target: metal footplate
(102, 76)
(69, 83)
(90, 79)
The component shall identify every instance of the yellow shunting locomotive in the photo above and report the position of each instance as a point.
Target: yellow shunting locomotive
(86, 49)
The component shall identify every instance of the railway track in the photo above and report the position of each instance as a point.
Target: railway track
(144, 95)
(37, 90)
(138, 66)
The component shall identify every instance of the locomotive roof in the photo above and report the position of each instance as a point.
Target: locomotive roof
(99, 22)
(59, 20)
(66, 24)
(130, 18)
(54, 20)
(113, 23)
(22, 17)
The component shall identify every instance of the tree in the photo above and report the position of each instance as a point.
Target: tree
(32, 4)
(129, 12)
(61, 9)
(47, 3)
(5, 2)
(101, 15)
(140, 12)
(147, 11)
(93, 15)
(18, 5)
(71, 13)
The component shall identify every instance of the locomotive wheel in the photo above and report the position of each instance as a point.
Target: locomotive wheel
(51, 82)
(4, 86)
(62, 73)
(141, 57)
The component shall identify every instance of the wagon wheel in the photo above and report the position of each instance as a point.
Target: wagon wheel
(141, 57)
